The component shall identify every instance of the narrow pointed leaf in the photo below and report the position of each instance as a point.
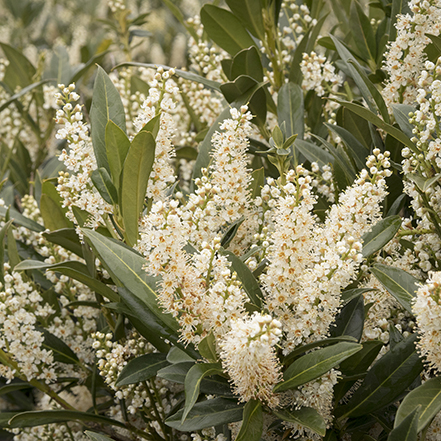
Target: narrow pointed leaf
(74, 269)
(103, 183)
(427, 397)
(387, 379)
(20, 70)
(176, 356)
(97, 436)
(205, 414)
(67, 238)
(249, 12)
(193, 383)
(62, 353)
(141, 369)
(290, 110)
(252, 424)
(407, 430)
(40, 418)
(315, 364)
(401, 113)
(306, 417)
(106, 106)
(18, 219)
(249, 282)
(398, 282)
(117, 146)
(225, 29)
(362, 32)
(382, 232)
(350, 319)
(135, 176)
(314, 153)
(126, 268)
(207, 348)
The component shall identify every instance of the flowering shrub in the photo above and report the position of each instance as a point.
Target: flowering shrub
(240, 243)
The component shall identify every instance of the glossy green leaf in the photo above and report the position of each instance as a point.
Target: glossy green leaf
(20, 70)
(252, 424)
(126, 268)
(13, 256)
(349, 294)
(205, 414)
(117, 146)
(427, 397)
(10, 388)
(106, 106)
(74, 269)
(423, 183)
(306, 417)
(315, 364)
(244, 274)
(297, 352)
(62, 353)
(97, 436)
(350, 319)
(5, 417)
(377, 121)
(401, 114)
(408, 429)
(356, 125)
(176, 372)
(373, 91)
(52, 211)
(141, 368)
(290, 110)
(207, 348)
(249, 12)
(398, 282)
(247, 62)
(67, 238)
(356, 150)
(230, 232)
(387, 379)
(43, 417)
(135, 176)
(225, 29)
(314, 153)
(103, 183)
(381, 234)
(361, 361)
(233, 90)
(193, 381)
(176, 355)
(258, 182)
(362, 32)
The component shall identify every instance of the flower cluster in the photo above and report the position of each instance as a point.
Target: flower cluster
(247, 353)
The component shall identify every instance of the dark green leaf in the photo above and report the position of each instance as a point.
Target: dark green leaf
(349, 294)
(350, 319)
(361, 361)
(97, 436)
(141, 369)
(252, 424)
(249, 282)
(401, 113)
(392, 374)
(315, 364)
(3, 234)
(258, 182)
(43, 417)
(231, 232)
(408, 429)
(207, 348)
(225, 29)
(362, 32)
(176, 372)
(193, 383)
(427, 397)
(20, 70)
(205, 414)
(314, 153)
(135, 176)
(249, 12)
(290, 110)
(9, 388)
(398, 7)
(306, 417)
(382, 232)
(74, 269)
(103, 183)
(13, 256)
(106, 106)
(423, 183)
(67, 238)
(398, 282)
(117, 146)
(62, 352)
(247, 62)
